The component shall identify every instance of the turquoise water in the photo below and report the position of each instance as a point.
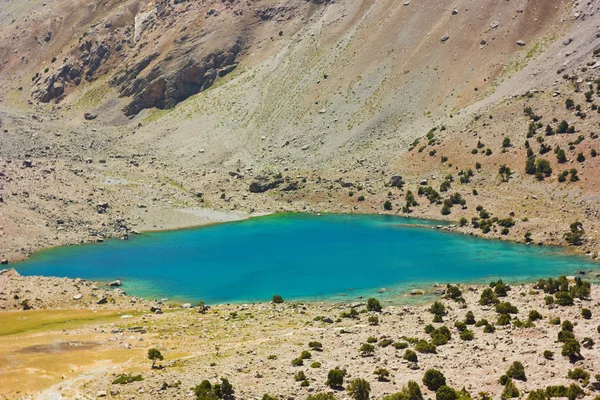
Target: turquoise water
(300, 256)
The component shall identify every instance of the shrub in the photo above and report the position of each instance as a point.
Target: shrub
(510, 390)
(586, 313)
(567, 326)
(503, 319)
(268, 397)
(423, 346)
(466, 335)
(548, 355)
(316, 364)
(445, 393)
(578, 374)
(382, 374)
(317, 346)
(305, 355)
(335, 377)
(434, 379)
(516, 371)
(299, 376)
(359, 389)
(571, 349)
(373, 305)
(411, 391)
(461, 326)
(534, 315)
(506, 308)
(400, 345)
(123, 379)
(366, 349)
(154, 355)
(489, 329)
(297, 362)
(470, 318)
(488, 297)
(437, 308)
(411, 356)
(385, 342)
(277, 299)
(371, 339)
(387, 205)
(373, 320)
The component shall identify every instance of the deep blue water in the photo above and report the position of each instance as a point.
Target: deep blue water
(300, 256)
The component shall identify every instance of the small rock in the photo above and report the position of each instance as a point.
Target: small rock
(103, 300)
(78, 296)
(520, 43)
(445, 38)
(89, 116)
(567, 41)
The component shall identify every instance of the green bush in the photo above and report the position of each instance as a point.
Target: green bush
(371, 339)
(434, 379)
(506, 308)
(488, 297)
(268, 397)
(586, 313)
(410, 355)
(510, 390)
(373, 305)
(445, 393)
(548, 355)
(516, 371)
(578, 374)
(373, 320)
(305, 355)
(437, 308)
(461, 326)
(489, 329)
(534, 315)
(366, 349)
(317, 346)
(277, 299)
(400, 345)
(297, 362)
(299, 376)
(387, 205)
(470, 318)
(359, 389)
(422, 346)
(571, 349)
(411, 391)
(385, 342)
(554, 321)
(567, 326)
(382, 374)
(503, 319)
(335, 377)
(466, 335)
(315, 364)
(123, 379)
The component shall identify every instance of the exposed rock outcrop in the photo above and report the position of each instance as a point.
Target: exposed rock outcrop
(166, 84)
(262, 184)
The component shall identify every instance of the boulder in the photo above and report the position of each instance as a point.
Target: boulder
(115, 283)
(103, 300)
(521, 43)
(262, 184)
(89, 116)
(78, 296)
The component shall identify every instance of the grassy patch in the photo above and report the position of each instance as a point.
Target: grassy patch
(14, 322)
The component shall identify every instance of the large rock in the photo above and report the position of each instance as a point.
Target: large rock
(262, 184)
(172, 81)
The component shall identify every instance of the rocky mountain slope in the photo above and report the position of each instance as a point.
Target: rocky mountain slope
(120, 116)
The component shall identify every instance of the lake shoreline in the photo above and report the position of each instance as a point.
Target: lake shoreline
(252, 345)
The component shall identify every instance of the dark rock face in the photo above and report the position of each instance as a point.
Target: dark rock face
(93, 55)
(262, 184)
(165, 89)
